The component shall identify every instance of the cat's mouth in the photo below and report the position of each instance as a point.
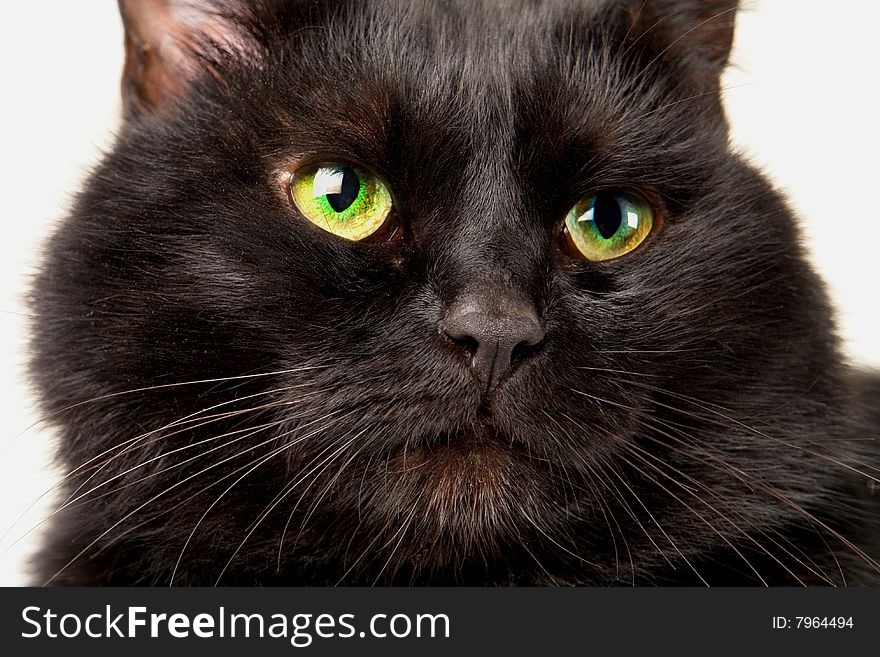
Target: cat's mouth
(473, 436)
(465, 491)
(475, 443)
(475, 463)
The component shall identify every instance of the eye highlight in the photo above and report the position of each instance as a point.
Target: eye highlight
(343, 199)
(608, 224)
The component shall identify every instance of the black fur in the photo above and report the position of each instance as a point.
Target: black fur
(685, 420)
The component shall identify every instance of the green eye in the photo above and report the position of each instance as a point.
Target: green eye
(608, 225)
(342, 199)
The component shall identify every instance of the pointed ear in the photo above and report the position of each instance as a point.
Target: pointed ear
(700, 31)
(170, 42)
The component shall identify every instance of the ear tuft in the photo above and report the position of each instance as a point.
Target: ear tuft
(166, 43)
(701, 30)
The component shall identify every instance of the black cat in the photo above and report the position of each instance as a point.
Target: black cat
(442, 293)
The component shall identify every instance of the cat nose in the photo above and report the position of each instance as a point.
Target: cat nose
(495, 330)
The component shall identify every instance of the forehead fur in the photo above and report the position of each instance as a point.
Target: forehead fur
(401, 85)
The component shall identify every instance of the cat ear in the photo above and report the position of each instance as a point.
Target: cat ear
(168, 43)
(699, 30)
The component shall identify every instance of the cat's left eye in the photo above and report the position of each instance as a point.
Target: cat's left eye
(343, 199)
(607, 225)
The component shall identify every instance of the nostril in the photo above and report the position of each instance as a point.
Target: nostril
(465, 341)
(523, 351)
(459, 331)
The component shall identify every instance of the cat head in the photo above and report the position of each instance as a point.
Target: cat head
(382, 291)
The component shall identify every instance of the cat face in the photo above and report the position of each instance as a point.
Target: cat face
(563, 334)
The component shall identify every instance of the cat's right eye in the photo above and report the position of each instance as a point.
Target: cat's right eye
(343, 199)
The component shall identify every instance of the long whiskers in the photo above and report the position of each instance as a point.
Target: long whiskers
(169, 489)
(188, 423)
(281, 449)
(111, 395)
(289, 488)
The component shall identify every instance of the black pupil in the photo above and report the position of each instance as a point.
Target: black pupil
(606, 214)
(348, 192)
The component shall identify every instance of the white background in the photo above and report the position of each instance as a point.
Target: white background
(802, 98)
